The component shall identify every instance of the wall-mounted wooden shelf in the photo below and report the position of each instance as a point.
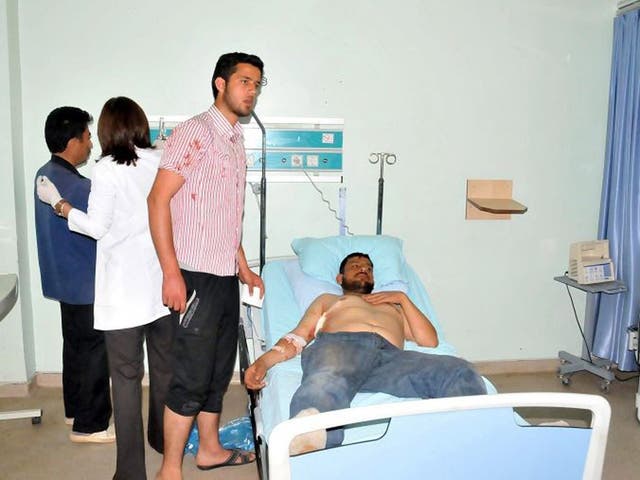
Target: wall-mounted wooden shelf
(491, 200)
(497, 205)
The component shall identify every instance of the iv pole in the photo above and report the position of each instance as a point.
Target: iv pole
(381, 158)
(263, 193)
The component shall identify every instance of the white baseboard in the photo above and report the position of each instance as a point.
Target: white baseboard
(517, 366)
(48, 379)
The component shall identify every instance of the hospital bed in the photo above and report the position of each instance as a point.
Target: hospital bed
(386, 437)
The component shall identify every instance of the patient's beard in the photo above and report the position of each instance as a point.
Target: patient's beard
(357, 286)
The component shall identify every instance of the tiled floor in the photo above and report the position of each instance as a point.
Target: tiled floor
(39, 452)
(43, 452)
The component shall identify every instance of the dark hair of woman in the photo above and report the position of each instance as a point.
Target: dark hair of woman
(122, 127)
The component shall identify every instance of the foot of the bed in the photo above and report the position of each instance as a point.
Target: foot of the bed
(310, 441)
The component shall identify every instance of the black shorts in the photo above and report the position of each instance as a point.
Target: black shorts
(204, 349)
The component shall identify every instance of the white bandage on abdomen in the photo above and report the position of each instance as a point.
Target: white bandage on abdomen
(319, 325)
(295, 340)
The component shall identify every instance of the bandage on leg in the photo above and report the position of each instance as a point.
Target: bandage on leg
(310, 441)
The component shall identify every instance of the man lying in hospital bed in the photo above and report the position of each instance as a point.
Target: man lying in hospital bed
(358, 341)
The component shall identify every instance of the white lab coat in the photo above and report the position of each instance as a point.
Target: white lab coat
(128, 273)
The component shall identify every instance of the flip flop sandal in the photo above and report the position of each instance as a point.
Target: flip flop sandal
(232, 460)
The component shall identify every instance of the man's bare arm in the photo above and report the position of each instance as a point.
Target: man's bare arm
(167, 183)
(287, 348)
(418, 328)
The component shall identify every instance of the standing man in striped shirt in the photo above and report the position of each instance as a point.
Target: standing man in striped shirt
(195, 215)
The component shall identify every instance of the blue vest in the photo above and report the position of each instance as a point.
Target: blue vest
(67, 259)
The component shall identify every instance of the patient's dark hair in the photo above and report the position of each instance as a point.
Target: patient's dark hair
(122, 127)
(353, 255)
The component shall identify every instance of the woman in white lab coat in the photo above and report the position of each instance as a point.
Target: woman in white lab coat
(128, 298)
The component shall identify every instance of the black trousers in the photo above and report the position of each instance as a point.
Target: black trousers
(85, 373)
(204, 349)
(126, 363)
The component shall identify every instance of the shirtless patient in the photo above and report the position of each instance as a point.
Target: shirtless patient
(358, 347)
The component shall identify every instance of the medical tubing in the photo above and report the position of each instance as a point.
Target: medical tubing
(331, 209)
(254, 329)
(263, 193)
(626, 379)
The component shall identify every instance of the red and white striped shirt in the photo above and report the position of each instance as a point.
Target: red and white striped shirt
(208, 152)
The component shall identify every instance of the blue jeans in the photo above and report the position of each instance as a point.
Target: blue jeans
(336, 366)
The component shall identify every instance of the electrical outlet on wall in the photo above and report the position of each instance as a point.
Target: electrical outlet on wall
(632, 338)
(312, 161)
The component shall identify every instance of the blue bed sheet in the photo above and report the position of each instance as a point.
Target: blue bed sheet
(282, 312)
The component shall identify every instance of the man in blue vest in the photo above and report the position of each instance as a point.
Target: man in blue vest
(67, 270)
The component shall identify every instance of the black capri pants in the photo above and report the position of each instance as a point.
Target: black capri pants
(205, 344)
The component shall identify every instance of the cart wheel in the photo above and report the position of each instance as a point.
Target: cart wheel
(36, 420)
(566, 380)
(605, 386)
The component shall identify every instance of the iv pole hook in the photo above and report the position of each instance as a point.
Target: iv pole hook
(381, 158)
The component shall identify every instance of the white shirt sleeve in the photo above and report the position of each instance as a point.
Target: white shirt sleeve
(97, 221)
